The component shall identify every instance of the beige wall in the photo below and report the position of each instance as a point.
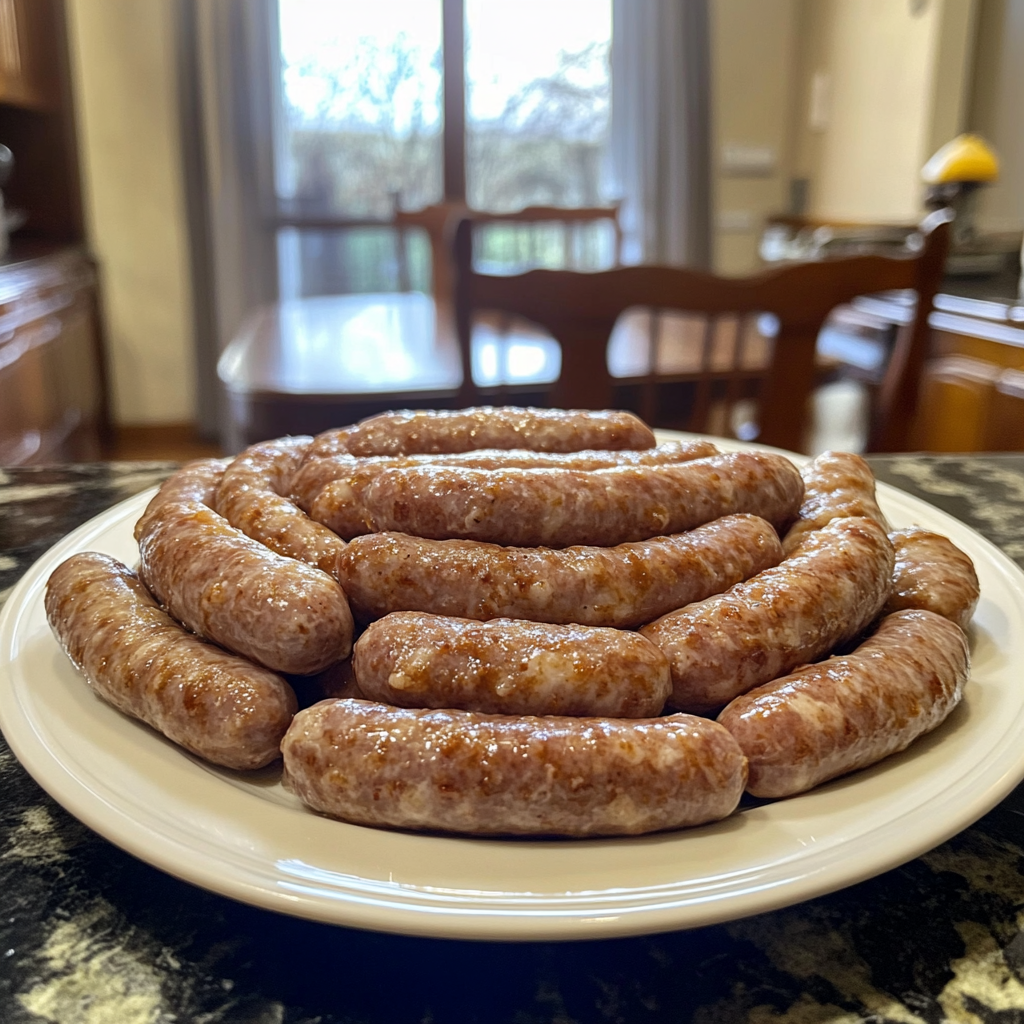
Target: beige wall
(124, 76)
(897, 76)
(752, 83)
(997, 109)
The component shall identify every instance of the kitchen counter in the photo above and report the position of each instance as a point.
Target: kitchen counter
(90, 935)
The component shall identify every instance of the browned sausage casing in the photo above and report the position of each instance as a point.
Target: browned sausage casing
(823, 595)
(462, 771)
(846, 713)
(836, 485)
(623, 586)
(559, 507)
(139, 659)
(546, 430)
(249, 497)
(510, 667)
(329, 444)
(195, 481)
(932, 572)
(331, 489)
(281, 613)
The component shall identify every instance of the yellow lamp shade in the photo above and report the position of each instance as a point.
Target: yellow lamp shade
(965, 158)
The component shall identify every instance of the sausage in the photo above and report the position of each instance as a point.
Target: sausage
(195, 481)
(932, 572)
(279, 612)
(836, 485)
(136, 657)
(559, 507)
(546, 430)
(249, 496)
(329, 443)
(846, 713)
(466, 772)
(330, 489)
(624, 586)
(510, 667)
(823, 595)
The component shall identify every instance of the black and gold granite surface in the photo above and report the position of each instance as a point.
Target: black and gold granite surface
(90, 935)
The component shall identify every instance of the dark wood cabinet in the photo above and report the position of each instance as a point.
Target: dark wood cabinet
(51, 387)
(30, 34)
(52, 393)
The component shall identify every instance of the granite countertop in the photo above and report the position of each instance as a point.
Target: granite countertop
(90, 935)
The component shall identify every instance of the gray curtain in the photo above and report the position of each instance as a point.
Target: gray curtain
(225, 99)
(660, 154)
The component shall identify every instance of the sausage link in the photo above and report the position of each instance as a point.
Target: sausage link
(328, 444)
(330, 489)
(510, 667)
(559, 507)
(823, 595)
(277, 611)
(932, 572)
(136, 657)
(846, 713)
(466, 772)
(545, 430)
(836, 485)
(249, 496)
(623, 586)
(195, 481)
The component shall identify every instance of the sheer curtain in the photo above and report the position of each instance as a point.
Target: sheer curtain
(227, 53)
(225, 102)
(660, 154)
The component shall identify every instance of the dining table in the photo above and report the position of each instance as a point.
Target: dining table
(89, 934)
(303, 365)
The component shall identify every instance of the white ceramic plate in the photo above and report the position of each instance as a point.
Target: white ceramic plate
(245, 837)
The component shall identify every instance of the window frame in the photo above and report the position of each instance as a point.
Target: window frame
(453, 127)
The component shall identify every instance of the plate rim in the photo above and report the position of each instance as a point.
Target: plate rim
(580, 918)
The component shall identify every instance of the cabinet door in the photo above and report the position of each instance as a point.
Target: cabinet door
(29, 33)
(955, 405)
(50, 384)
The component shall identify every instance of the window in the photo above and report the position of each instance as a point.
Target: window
(363, 127)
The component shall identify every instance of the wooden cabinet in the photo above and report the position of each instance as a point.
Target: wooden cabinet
(29, 61)
(972, 389)
(51, 394)
(52, 398)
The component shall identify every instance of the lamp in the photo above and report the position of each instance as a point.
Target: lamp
(954, 175)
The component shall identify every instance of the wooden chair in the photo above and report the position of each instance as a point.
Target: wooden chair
(580, 311)
(437, 220)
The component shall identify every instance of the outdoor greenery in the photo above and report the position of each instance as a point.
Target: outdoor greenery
(371, 143)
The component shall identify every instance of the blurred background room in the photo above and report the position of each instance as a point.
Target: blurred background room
(227, 220)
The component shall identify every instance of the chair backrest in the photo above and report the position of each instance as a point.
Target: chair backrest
(580, 311)
(571, 221)
(437, 221)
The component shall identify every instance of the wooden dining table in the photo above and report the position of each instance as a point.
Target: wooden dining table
(304, 365)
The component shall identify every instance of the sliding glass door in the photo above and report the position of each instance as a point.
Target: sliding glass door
(400, 104)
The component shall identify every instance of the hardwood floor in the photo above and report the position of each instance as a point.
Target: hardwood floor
(175, 442)
(839, 422)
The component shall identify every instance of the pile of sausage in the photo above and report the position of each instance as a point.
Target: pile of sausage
(534, 588)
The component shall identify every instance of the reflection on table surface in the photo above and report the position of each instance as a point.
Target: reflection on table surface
(403, 343)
